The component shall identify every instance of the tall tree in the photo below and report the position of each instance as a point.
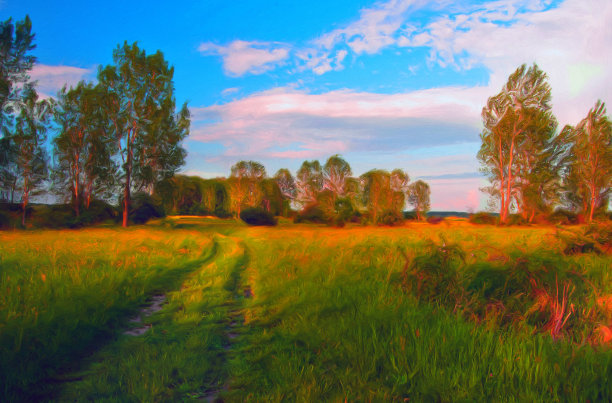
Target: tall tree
(16, 41)
(309, 182)
(82, 151)
(140, 107)
(418, 198)
(287, 186)
(592, 150)
(398, 182)
(244, 184)
(509, 119)
(336, 172)
(377, 196)
(28, 137)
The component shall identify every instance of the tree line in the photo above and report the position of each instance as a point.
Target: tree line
(119, 136)
(318, 193)
(534, 168)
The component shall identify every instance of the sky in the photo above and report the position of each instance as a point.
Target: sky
(385, 84)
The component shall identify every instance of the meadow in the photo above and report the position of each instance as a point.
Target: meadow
(420, 312)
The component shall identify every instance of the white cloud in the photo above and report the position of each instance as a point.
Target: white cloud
(230, 91)
(571, 43)
(241, 57)
(52, 78)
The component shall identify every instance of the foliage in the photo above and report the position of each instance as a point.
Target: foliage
(311, 214)
(84, 167)
(143, 207)
(418, 198)
(140, 105)
(519, 151)
(483, 217)
(563, 217)
(591, 167)
(391, 218)
(16, 41)
(244, 185)
(28, 137)
(309, 182)
(258, 216)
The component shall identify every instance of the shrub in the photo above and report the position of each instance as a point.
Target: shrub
(483, 218)
(143, 208)
(391, 218)
(257, 216)
(434, 219)
(563, 217)
(516, 219)
(410, 215)
(98, 211)
(5, 221)
(433, 275)
(54, 216)
(312, 214)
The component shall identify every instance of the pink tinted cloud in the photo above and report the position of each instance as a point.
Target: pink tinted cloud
(242, 57)
(288, 123)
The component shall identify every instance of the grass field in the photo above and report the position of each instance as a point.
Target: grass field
(452, 312)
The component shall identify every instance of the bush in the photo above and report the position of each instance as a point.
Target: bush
(5, 221)
(563, 217)
(54, 216)
(410, 215)
(483, 218)
(97, 212)
(257, 216)
(391, 218)
(434, 219)
(312, 214)
(143, 208)
(516, 219)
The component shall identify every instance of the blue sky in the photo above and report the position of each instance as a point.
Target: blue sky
(388, 84)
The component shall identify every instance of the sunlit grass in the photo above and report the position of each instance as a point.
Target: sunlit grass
(62, 290)
(330, 314)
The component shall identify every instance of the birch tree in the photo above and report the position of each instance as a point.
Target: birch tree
(508, 118)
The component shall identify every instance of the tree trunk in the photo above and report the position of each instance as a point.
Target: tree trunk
(24, 203)
(592, 204)
(126, 190)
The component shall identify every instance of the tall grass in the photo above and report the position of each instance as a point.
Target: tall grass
(63, 290)
(307, 313)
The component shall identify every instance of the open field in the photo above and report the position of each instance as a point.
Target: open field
(451, 312)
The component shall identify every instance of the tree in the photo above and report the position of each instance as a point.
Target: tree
(16, 41)
(377, 195)
(309, 182)
(591, 169)
(287, 187)
(28, 137)
(418, 197)
(398, 182)
(510, 118)
(336, 171)
(244, 184)
(139, 105)
(82, 149)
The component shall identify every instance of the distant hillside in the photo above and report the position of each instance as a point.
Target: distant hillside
(448, 214)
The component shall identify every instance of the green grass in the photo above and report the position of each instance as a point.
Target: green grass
(302, 313)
